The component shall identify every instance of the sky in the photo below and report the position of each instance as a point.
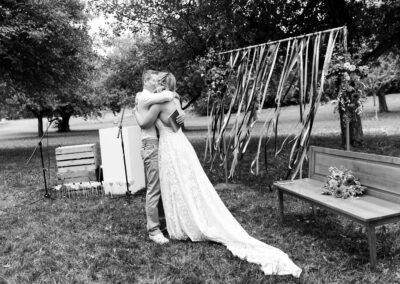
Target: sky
(97, 24)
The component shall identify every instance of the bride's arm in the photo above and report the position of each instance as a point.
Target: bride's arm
(157, 98)
(147, 118)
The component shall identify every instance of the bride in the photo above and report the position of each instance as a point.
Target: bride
(193, 209)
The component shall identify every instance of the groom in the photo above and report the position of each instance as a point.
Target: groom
(149, 153)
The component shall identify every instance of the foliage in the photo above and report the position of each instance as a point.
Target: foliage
(378, 24)
(45, 50)
(383, 77)
(122, 71)
(341, 183)
(383, 73)
(349, 88)
(192, 85)
(78, 100)
(39, 43)
(219, 82)
(181, 32)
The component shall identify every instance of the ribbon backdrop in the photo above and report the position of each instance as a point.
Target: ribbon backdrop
(299, 64)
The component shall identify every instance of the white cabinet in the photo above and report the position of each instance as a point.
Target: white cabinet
(113, 163)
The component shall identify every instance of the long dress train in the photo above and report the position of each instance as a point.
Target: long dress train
(194, 210)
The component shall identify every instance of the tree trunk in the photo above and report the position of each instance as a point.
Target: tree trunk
(40, 124)
(382, 102)
(63, 123)
(356, 131)
(355, 127)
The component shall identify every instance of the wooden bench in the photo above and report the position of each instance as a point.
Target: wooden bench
(379, 206)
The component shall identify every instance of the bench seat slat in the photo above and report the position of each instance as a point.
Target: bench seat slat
(366, 208)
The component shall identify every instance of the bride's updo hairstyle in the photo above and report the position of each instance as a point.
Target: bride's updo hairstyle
(170, 82)
(160, 78)
(166, 81)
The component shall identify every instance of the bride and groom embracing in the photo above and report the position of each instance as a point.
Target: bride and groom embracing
(192, 207)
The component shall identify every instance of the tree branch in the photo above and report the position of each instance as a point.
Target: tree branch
(191, 101)
(174, 31)
(382, 48)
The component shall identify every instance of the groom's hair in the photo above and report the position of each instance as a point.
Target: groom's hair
(147, 75)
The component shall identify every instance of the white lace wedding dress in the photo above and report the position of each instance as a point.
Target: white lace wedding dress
(194, 210)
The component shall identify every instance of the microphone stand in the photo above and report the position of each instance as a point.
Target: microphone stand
(47, 194)
(128, 192)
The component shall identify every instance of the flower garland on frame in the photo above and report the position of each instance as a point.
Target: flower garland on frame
(350, 88)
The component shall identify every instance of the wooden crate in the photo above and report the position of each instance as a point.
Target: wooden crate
(77, 163)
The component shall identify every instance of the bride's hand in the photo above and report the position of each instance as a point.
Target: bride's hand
(181, 117)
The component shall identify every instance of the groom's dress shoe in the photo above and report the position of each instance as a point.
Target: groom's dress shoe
(159, 239)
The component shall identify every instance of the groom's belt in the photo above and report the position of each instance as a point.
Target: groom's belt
(149, 141)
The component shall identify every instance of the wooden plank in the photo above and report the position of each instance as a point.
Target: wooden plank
(374, 171)
(82, 176)
(358, 155)
(77, 169)
(77, 179)
(360, 208)
(76, 174)
(370, 173)
(323, 206)
(76, 149)
(387, 220)
(73, 156)
(74, 163)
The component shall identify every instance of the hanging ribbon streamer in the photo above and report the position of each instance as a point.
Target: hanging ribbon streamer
(298, 64)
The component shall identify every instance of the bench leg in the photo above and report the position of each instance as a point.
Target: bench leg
(280, 196)
(314, 211)
(372, 244)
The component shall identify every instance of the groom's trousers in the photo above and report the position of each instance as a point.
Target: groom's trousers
(154, 209)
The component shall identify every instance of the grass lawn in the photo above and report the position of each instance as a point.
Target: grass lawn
(103, 240)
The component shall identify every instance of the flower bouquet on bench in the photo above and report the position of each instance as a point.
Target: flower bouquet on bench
(341, 183)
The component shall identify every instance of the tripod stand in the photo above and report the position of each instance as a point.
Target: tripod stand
(128, 192)
(47, 194)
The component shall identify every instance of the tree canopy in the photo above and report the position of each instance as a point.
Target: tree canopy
(182, 31)
(45, 49)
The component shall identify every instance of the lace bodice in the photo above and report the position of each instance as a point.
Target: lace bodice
(164, 129)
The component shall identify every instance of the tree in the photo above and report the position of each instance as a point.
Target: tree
(383, 73)
(42, 51)
(382, 30)
(122, 71)
(349, 96)
(182, 31)
(78, 100)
